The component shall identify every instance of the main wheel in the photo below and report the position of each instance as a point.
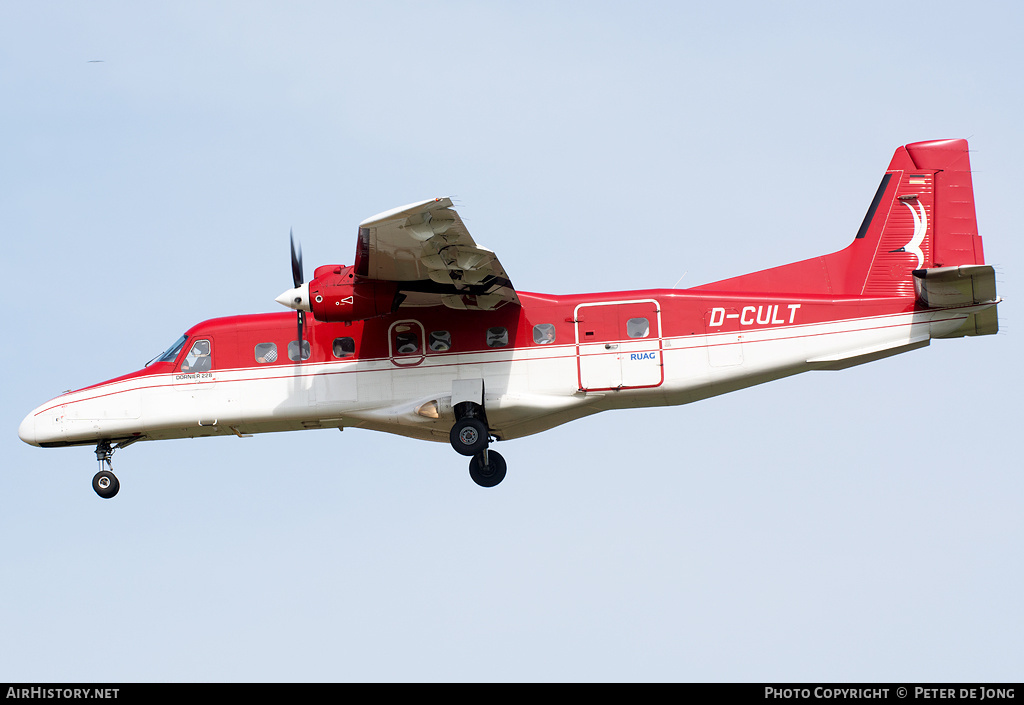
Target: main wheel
(105, 483)
(487, 475)
(469, 436)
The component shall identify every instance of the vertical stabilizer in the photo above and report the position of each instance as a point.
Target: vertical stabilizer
(921, 217)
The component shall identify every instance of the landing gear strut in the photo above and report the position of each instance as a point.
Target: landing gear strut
(105, 481)
(470, 436)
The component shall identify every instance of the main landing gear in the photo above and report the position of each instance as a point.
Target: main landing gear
(470, 436)
(105, 481)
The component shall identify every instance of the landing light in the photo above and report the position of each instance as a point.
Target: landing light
(428, 410)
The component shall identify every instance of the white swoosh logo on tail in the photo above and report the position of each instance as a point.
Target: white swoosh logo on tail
(920, 229)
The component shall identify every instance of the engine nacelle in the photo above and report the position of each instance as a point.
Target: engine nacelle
(336, 295)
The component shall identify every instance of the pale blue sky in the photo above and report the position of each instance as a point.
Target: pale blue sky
(857, 526)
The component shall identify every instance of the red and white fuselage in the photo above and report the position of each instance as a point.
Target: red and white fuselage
(426, 321)
(683, 347)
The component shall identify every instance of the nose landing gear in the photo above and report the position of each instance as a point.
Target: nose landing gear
(105, 482)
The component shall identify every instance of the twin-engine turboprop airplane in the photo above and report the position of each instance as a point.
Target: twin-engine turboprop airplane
(425, 336)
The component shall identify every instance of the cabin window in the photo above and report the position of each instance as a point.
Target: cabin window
(638, 328)
(293, 350)
(265, 352)
(497, 337)
(440, 340)
(198, 358)
(344, 347)
(544, 333)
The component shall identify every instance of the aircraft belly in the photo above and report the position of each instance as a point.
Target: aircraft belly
(693, 374)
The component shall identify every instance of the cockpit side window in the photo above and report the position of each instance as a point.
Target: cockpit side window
(199, 357)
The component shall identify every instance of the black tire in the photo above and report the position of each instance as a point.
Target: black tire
(469, 436)
(491, 474)
(105, 483)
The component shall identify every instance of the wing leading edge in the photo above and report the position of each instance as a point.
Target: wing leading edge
(426, 249)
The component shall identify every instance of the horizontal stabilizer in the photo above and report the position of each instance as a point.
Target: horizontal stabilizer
(981, 323)
(955, 286)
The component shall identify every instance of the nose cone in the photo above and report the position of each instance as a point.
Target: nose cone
(297, 298)
(27, 430)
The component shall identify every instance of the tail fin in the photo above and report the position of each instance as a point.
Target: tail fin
(922, 217)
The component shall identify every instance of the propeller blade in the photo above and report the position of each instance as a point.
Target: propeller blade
(296, 261)
(297, 297)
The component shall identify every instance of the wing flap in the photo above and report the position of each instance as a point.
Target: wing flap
(426, 248)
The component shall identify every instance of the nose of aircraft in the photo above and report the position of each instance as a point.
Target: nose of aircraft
(27, 430)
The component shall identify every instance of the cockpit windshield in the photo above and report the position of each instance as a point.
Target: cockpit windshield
(171, 353)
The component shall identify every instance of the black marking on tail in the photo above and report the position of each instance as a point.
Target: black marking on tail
(874, 206)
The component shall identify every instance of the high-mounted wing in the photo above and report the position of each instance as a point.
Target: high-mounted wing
(425, 248)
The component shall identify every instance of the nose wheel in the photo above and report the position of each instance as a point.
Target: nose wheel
(105, 483)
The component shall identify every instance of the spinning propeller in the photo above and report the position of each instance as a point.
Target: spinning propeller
(297, 297)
